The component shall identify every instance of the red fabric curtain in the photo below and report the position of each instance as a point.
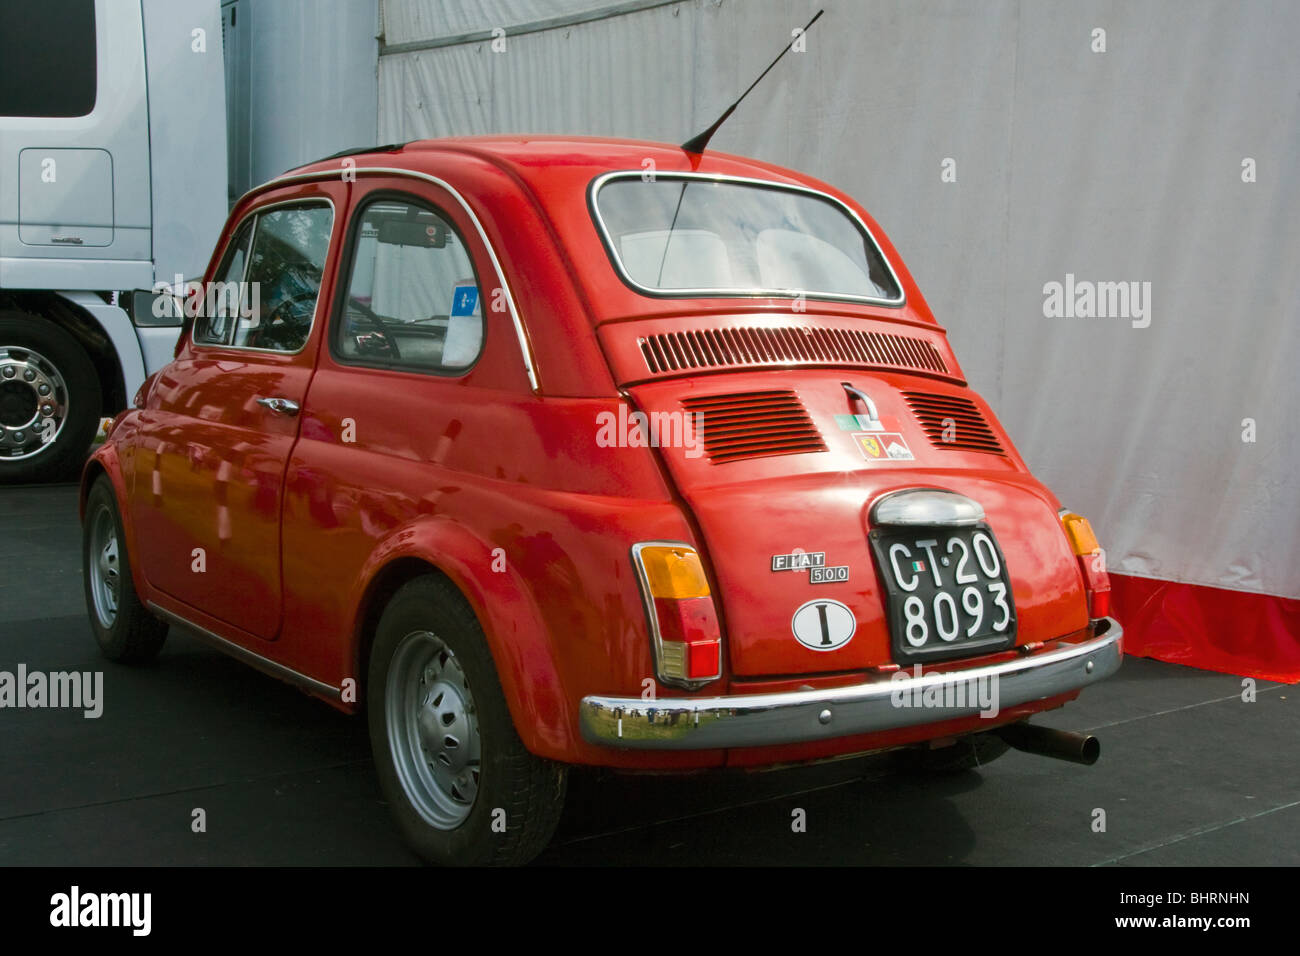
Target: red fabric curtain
(1233, 632)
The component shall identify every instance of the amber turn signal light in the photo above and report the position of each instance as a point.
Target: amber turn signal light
(1079, 531)
(673, 571)
(1092, 562)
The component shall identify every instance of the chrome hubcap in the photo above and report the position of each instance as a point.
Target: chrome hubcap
(33, 402)
(433, 730)
(104, 570)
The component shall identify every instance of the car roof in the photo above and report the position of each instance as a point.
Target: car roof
(530, 155)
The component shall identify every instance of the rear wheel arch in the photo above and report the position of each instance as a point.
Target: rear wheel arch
(511, 627)
(380, 590)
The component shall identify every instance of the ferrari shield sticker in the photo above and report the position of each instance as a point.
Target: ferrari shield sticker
(883, 446)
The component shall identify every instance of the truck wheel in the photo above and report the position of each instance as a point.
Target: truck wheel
(124, 629)
(49, 400)
(968, 753)
(463, 788)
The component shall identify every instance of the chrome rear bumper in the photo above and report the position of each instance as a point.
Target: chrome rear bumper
(901, 700)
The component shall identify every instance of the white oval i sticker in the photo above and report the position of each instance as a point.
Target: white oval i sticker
(823, 625)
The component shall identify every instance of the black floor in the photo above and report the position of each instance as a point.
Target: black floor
(1189, 774)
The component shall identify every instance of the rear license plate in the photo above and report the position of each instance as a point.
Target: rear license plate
(947, 591)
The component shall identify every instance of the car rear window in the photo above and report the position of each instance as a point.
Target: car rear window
(692, 236)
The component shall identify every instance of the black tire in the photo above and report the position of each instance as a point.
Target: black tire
(74, 386)
(429, 616)
(968, 753)
(133, 636)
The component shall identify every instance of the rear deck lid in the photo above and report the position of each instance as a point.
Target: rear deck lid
(780, 469)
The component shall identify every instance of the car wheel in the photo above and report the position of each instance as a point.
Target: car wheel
(49, 400)
(463, 788)
(124, 629)
(968, 753)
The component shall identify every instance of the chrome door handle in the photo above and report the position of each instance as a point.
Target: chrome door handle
(284, 406)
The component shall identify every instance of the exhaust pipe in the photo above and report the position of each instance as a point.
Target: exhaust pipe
(1061, 744)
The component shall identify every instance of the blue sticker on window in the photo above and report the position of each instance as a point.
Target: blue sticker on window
(465, 300)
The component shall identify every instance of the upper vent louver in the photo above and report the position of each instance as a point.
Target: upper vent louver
(952, 422)
(669, 352)
(754, 425)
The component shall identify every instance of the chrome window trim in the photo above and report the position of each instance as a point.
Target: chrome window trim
(256, 215)
(593, 204)
(520, 334)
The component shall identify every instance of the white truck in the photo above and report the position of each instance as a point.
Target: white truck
(112, 182)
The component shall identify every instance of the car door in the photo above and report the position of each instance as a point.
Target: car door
(222, 419)
(417, 390)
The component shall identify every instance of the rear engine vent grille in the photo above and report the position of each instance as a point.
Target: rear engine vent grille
(754, 425)
(952, 423)
(670, 352)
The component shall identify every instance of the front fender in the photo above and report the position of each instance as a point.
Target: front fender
(105, 461)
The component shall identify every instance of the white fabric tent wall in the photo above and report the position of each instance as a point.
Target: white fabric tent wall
(1116, 166)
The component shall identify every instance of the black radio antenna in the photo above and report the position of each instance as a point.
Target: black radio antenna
(696, 144)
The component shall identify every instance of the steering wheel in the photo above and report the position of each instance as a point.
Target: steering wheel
(284, 326)
(376, 342)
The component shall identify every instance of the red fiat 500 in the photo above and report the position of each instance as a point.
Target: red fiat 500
(576, 451)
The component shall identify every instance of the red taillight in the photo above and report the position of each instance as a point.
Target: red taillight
(682, 617)
(1092, 562)
(1099, 603)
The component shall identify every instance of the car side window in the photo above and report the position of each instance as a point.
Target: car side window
(413, 299)
(285, 266)
(214, 325)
